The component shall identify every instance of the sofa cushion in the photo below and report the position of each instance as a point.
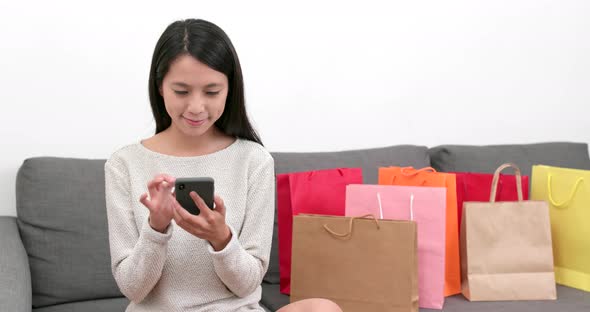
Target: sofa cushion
(63, 225)
(486, 159)
(15, 275)
(568, 300)
(100, 305)
(272, 297)
(367, 159)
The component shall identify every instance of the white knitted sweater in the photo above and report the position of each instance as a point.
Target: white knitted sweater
(177, 271)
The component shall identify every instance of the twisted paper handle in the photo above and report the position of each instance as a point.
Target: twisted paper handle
(349, 232)
(497, 178)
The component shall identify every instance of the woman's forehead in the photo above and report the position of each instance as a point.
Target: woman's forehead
(187, 71)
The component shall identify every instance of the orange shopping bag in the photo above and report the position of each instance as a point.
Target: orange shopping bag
(428, 176)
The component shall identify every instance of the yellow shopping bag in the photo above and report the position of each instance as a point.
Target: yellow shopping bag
(568, 194)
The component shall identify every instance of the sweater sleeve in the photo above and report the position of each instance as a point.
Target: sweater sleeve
(241, 265)
(137, 255)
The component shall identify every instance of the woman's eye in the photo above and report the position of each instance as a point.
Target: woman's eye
(212, 93)
(180, 92)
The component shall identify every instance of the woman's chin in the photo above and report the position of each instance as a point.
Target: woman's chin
(195, 132)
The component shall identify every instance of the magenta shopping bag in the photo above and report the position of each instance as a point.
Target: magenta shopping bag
(426, 206)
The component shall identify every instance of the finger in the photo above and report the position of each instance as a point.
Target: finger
(205, 211)
(166, 186)
(153, 185)
(156, 180)
(187, 219)
(181, 222)
(161, 175)
(219, 205)
(145, 201)
(168, 178)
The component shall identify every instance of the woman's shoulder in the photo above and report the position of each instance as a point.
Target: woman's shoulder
(258, 162)
(123, 154)
(254, 151)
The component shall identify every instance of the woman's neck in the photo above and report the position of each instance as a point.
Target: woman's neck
(175, 143)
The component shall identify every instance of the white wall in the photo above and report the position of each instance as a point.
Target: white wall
(319, 75)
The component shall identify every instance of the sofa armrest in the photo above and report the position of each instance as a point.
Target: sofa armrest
(15, 275)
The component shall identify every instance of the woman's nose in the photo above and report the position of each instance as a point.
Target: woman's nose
(196, 104)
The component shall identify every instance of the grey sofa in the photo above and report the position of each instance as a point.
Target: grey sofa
(54, 255)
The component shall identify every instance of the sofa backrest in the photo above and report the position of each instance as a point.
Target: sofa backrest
(62, 222)
(486, 159)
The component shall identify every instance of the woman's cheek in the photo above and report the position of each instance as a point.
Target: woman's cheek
(220, 111)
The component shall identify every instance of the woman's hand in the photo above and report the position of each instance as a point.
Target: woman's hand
(208, 225)
(161, 201)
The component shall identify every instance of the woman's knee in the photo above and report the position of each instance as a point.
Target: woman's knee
(325, 305)
(312, 305)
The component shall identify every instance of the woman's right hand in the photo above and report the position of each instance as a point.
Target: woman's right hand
(161, 201)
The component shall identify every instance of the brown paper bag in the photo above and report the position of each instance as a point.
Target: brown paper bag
(360, 264)
(506, 251)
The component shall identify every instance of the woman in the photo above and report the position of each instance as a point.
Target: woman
(214, 261)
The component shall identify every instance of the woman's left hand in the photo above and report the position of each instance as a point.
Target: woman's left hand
(208, 225)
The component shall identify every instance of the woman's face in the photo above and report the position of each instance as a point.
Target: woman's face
(194, 95)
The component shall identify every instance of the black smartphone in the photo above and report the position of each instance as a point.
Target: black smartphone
(203, 186)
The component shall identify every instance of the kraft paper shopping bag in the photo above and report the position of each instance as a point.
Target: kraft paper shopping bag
(506, 249)
(363, 265)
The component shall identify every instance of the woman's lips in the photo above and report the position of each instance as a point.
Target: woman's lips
(194, 123)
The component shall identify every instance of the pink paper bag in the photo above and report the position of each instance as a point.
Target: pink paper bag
(426, 206)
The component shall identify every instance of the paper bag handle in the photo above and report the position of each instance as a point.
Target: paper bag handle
(497, 178)
(410, 171)
(349, 233)
(411, 206)
(570, 197)
(310, 175)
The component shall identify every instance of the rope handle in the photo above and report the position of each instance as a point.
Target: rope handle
(411, 206)
(570, 197)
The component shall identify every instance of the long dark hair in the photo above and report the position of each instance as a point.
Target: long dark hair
(210, 45)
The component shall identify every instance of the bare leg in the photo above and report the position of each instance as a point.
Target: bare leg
(311, 305)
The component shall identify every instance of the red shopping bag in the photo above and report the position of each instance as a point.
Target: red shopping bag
(315, 192)
(476, 187)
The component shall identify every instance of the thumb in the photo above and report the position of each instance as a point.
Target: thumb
(145, 201)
